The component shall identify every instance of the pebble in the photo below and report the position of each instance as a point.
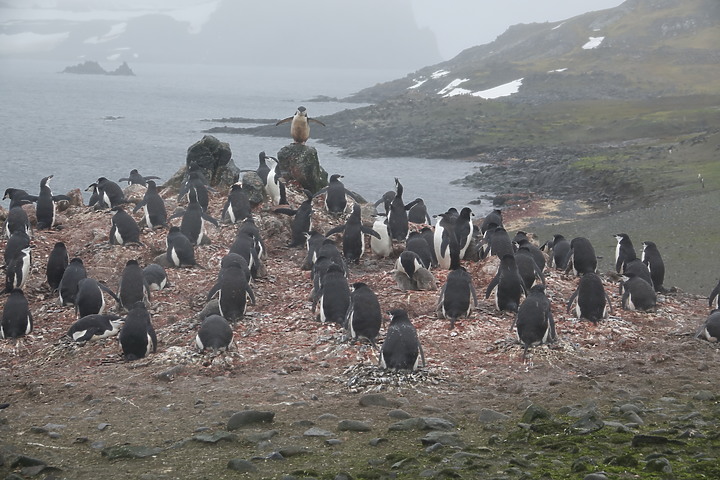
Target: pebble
(378, 400)
(353, 426)
(249, 417)
(399, 414)
(317, 432)
(487, 416)
(241, 465)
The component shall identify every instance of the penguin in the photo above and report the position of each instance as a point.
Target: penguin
(334, 296)
(233, 291)
(429, 235)
(57, 263)
(16, 317)
(193, 220)
(313, 242)
(133, 287)
(354, 232)
(457, 296)
(215, 333)
(245, 246)
(593, 302)
(237, 207)
(300, 125)
(534, 321)
(136, 179)
(522, 241)
(507, 285)
(364, 317)
(447, 249)
(710, 330)
(123, 228)
(68, 287)
(336, 195)
(110, 192)
(385, 200)
(248, 226)
(153, 207)
(90, 299)
(17, 242)
(714, 297)
(17, 221)
(232, 260)
(302, 221)
(401, 349)
(397, 215)
(528, 269)
(464, 229)
(155, 276)
(17, 271)
(95, 327)
(492, 218)
(417, 212)
(636, 267)
(180, 251)
(416, 243)
(652, 258)
(382, 247)
(407, 265)
(320, 270)
(137, 336)
(18, 197)
(270, 177)
(560, 249)
(96, 199)
(639, 294)
(624, 251)
(196, 183)
(498, 242)
(581, 257)
(46, 205)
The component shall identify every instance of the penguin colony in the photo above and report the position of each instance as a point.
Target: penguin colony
(420, 253)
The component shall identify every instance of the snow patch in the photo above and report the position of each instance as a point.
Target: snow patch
(439, 74)
(593, 42)
(503, 90)
(417, 83)
(457, 91)
(558, 70)
(450, 86)
(558, 26)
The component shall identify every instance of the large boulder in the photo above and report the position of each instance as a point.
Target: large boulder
(213, 157)
(300, 163)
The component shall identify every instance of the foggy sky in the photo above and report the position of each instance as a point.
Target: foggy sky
(457, 24)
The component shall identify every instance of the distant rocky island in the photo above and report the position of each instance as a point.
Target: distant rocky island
(90, 67)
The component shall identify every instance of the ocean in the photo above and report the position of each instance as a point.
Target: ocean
(81, 127)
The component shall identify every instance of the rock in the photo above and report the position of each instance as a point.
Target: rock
(129, 451)
(422, 423)
(293, 451)
(317, 432)
(451, 439)
(300, 163)
(249, 417)
(261, 436)
(491, 416)
(215, 437)
(590, 422)
(704, 396)
(534, 412)
(253, 188)
(632, 417)
(399, 414)
(595, 476)
(643, 440)
(582, 464)
(241, 465)
(661, 464)
(353, 426)
(377, 441)
(378, 400)
(25, 461)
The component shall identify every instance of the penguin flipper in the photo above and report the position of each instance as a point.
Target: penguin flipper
(492, 286)
(179, 213)
(140, 204)
(124, 179)
(286, 211)
(572, 299)
(354, 196)
(713, 295)
(213, 291)
(320, 192)
(150, 177)
(57, 198)
(316, 121)
(210, 219)
(337, 229)
(107, 289)
(250, 294)
(370, 231)
(474, 295)
(284, 120)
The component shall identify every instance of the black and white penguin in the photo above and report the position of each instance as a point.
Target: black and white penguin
(302, 220)
(136, 179)
(364, 317)
(464, 229)
(652, 258)
(18, 197)
(68, 287)
(57, 263)
(96, 199)
(95, 327)
(710, 330)
(401, 349)
(270, 177)
(137, 336)
(234, 292)
(639, 294)
(110, 192)
(635, 266)
(593, 302)
(230, 261)
(498, 242)
(528, 269)
(397, 215)
(153, 206)
(336, 195)
(522, 241)
(248, 226)
(382, 247)
(320, 269)
(155, 276)
(714, 297)
(429, 235)
(299, 125)
(507, 284)
(193, 220)
(353, 241)
(17, 221)
(197, 183)
(559, 252)
(16, 243)
(457, 297)
(492, 218)
(17, 270)
(180, 252)
(581, 258)
(90, 299)
(624, 251)
(417, 212)
(534, 320)
(245, 246)
(334, 296)
(133, 287)
(447, 249)
(46, 205)
(16, 317)
(123, 228)
(416, 243)
(215, 333)
(237, 207)
(406, 265)
(313, 242)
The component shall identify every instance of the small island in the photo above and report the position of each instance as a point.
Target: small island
(90, 67)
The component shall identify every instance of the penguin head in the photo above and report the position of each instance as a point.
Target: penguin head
(335, 177)
(557, 238)
(649, 246)
(301, 111)
(466, 212)
(358, 285)
(77, 261)
(151, 185)
(398, 315)
(132, 262)
(44, 182)
(622, 237)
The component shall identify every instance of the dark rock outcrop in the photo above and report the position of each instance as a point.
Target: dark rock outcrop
(90, 67)
(300, 163)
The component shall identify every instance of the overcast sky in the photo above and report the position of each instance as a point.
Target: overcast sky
(457, 24)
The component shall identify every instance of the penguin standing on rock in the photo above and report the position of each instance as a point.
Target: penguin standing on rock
(521, 240)
(270, 177)
(457, 296)
(336, 195)
(123, 228)
(593, 302)
(57, 263)
(94, 327)
(354, 232)
(397, 215)
(17, 221)
(652, 258)
(416, 243)
(46, 205)
(237, 207)
(401, 349)
(507, 284)
(153, 207)
(498, 242)
(528, 269)
(534, 320)
(492, 218)
(364, 316)
(180, 252)
(464, 230)
(234, 292)
(18, 197)
(300, 125)
(16, 317)
(136, 179)
(411, 274)
(639, 294)
(710, 330)
(624, 251)
(110, 192)
(215, 334)
(313, 242)
(137, 336)
(68, 287)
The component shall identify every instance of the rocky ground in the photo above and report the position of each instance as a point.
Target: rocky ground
(631, 397)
